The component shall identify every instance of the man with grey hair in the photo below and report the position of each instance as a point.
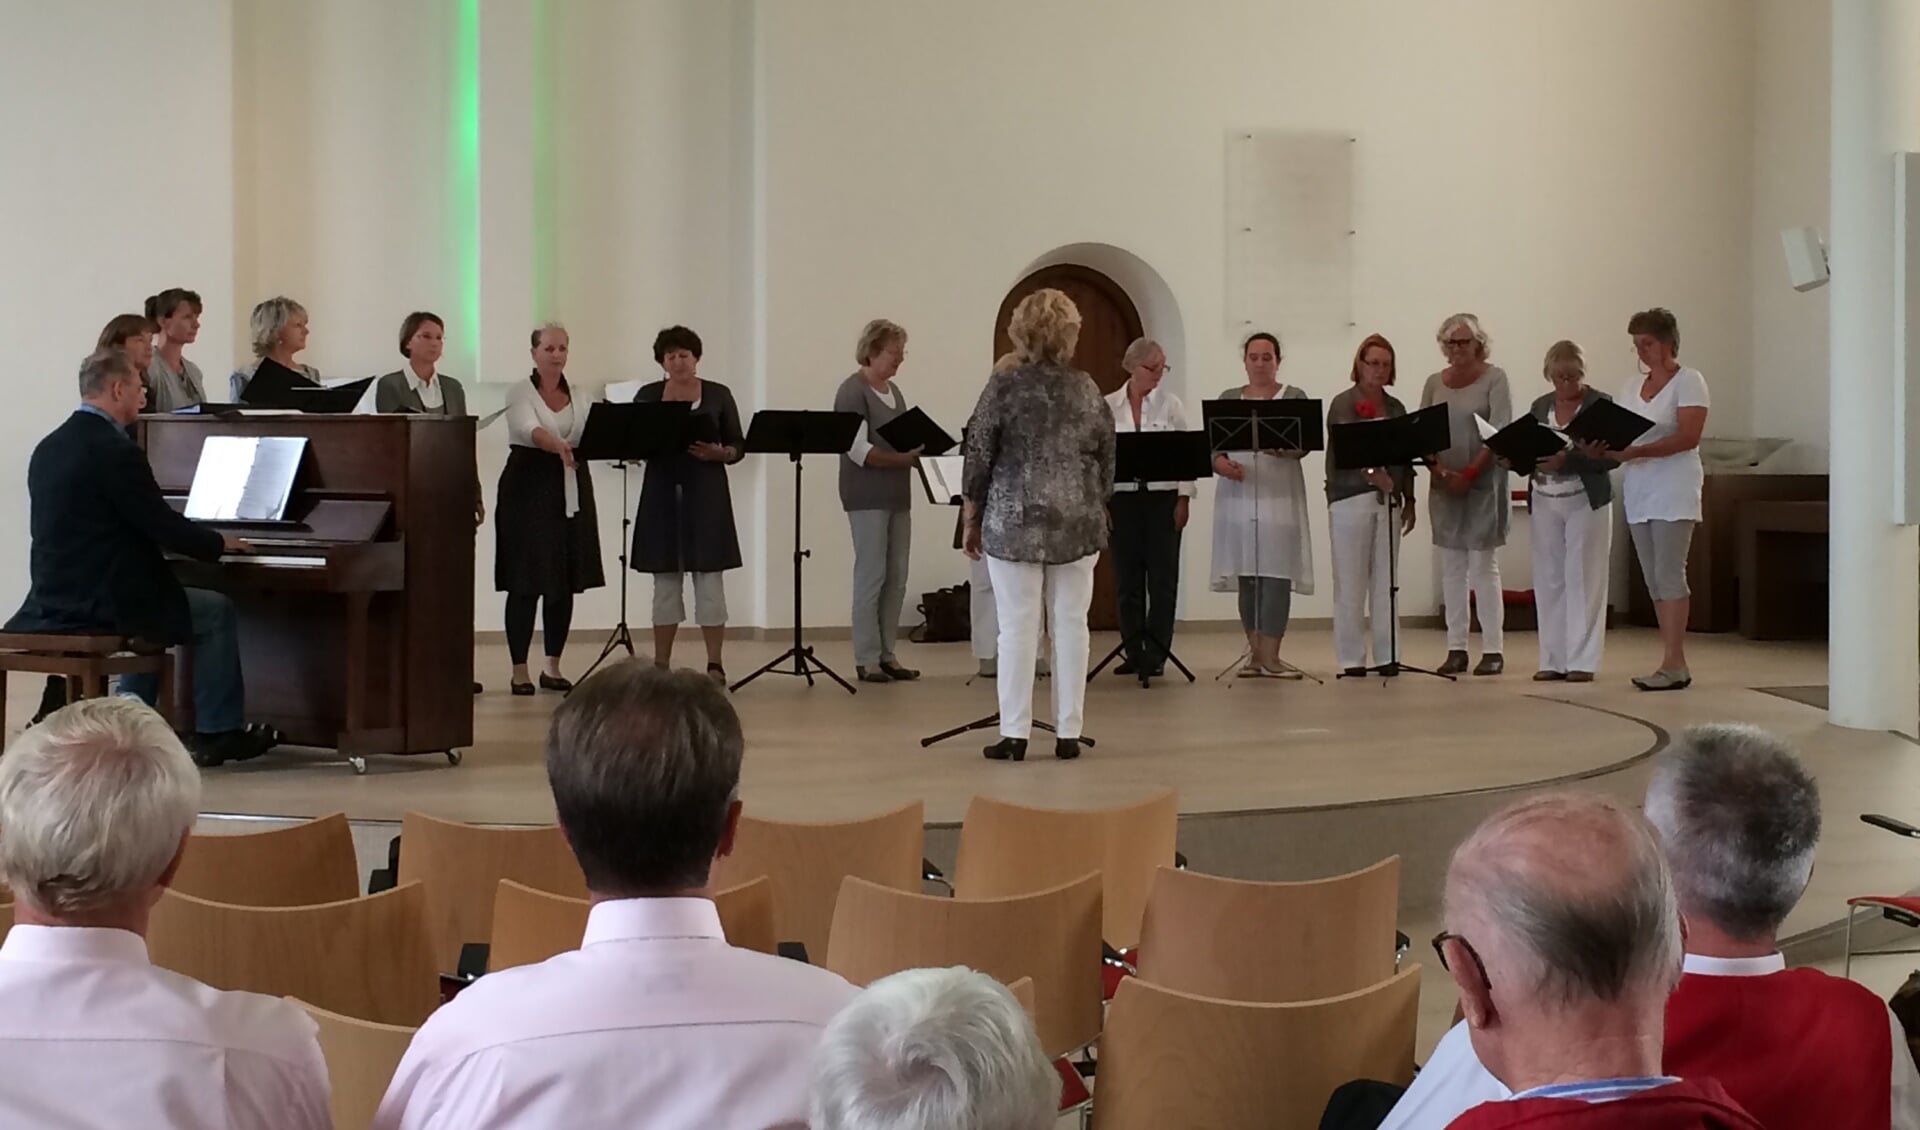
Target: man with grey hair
(101, 530)
(1563, 935)
(1738, 817)
(95, 805)
(655, 1020)
(934, 1049)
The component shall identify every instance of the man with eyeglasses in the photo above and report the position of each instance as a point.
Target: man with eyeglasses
(1563, 935)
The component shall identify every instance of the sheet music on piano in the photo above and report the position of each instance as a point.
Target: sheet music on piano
(245, 478)
(940, 474)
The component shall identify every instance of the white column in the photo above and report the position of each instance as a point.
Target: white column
(1874, 565)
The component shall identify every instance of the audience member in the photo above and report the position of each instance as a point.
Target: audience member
(1739, 818)
(1563, 935)
(95, 805)
(655, 1020)
(934, 1049)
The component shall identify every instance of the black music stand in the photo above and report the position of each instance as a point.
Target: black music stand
(623, 434)
(1156, 457)
(1295, 424)
(1401, 441)
(793, 434)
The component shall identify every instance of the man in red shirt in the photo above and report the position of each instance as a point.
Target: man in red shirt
(1563, 935)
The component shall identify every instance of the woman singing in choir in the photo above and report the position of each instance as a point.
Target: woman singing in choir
(546, 535)
(132, 334)
(279, 330)
(1262, 548)
(1660, 489)
(1366, 534)
(1471, 507)
(876, 490)
(1039, 470)
(419, 386)
(685, 522)
(1570, 497)
(173, 382)
(1147, 517)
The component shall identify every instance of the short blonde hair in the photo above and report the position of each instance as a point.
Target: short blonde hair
(1472, 324)
(1045, 328)
(1564, 358)
(1137, 353)
(874, 340)
(94, 803)
(268, 319)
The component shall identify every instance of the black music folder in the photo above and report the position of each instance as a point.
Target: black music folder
(273, 385)
(1264, 425)
(1524, 443)
(617, 432)
(1610, 424)
(1162, 457)
(1397, 441)
(914, 428)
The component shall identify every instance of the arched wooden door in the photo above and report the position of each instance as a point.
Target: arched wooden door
(1109, 322)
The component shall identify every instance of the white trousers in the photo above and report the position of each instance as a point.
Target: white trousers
(983, 612)
(1022, 589)
(1572, 549)
(1365, 539)
(1480, 570)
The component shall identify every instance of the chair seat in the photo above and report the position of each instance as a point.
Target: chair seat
(73, 643)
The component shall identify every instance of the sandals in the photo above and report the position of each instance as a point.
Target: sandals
(717, 673)
(1664, 681)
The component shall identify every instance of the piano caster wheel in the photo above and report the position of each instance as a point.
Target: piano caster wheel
(359, 766)
(453, 757)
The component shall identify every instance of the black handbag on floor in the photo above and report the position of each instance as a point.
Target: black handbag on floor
(946, 615)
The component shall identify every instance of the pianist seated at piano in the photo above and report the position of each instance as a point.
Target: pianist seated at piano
(419, 386)
(279, 329)
(100, 531)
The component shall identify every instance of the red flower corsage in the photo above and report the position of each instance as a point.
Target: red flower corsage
(1367, 410)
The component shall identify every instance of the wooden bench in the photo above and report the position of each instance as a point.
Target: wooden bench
(87, 662)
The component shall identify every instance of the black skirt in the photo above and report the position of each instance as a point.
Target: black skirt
(537, 548)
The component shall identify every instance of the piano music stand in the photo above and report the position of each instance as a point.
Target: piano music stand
(623, 434)
(793, 434)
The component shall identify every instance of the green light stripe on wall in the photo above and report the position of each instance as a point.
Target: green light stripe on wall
(464, 181)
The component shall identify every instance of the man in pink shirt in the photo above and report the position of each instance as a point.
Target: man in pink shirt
(655, 1021)
(95, 805)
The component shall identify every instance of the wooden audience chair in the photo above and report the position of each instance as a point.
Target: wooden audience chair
(303, 865)
(370, 958)
(462, 865)
(1271, 942)
(361, 1058)
(87, 662)
(1050, 936)
(531, 926)
(806, 863)
(1172, 1059)
(1022, 991)
(1010, 849)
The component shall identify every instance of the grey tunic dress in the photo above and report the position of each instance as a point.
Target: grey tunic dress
(685, 521)
(1039, 465)
(1479, 518)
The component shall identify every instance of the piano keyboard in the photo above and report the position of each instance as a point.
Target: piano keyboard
(279, 561)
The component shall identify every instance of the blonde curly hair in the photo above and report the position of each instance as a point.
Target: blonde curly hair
(1045, 328)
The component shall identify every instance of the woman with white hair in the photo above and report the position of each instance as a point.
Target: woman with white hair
(876, 490)
(1147, 517)
(1039, 470)
(278, 328)
(1570, 497)
(1470, 508)
(933, 1049)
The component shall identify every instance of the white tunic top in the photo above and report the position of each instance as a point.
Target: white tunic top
(655, 1021)
(1260, 525)
(1666, 489)
(94, 1037)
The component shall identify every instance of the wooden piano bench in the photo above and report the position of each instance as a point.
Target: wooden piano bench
(87, 662)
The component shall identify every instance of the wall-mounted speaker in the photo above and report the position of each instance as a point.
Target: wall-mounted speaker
(1806, 258)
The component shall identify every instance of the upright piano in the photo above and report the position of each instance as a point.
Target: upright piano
(356, 612)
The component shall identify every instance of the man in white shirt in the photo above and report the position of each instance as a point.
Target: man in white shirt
(1738, 817)
(655, 1021)
(95, 805)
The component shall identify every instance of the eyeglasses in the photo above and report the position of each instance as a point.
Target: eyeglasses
(1456, 342)
(1440, 941)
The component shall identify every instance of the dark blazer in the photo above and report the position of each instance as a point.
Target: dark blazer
(100, 526)
(392, 393)
(1592, 472)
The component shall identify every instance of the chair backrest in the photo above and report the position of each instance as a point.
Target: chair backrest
(462, 865)
(303, 865)
(1173, 1059)
(807, 861)
(1272, 942)
(1052, 936)
(361, 1058)
(1010, 849)
(368, 957)
(531, 926)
